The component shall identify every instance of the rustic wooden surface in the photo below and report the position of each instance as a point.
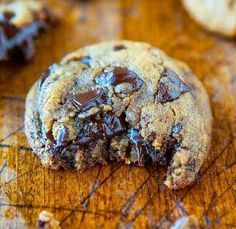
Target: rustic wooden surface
(117, 195)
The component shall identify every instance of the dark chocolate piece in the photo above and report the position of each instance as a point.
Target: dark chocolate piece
(145, 149)
(91, 133)
(119, 47)
(170, 87)
(89, 99)
(113, 125)
(140, 146)
(118, 76)
(105, 127)
(65, 154)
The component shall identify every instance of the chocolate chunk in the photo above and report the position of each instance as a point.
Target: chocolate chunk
(119, 47)
(113, 125)
(176, 128)
(170, 87)
(87, 100)
(118, 76)
(144, 150)
(105, 127)
(49, 136)
(64, 154)
(91, 133)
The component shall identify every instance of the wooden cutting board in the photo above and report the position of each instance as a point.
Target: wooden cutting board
(120, 196)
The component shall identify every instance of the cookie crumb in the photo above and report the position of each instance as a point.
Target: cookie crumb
(46, 221)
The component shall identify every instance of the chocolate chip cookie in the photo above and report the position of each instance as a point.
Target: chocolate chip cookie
(217, 16)
(20, 23)
(120, 101)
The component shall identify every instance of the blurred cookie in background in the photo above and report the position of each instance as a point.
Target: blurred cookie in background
(218, 16)
(20, 23)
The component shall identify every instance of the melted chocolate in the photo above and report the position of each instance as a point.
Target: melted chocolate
(113, 125)
(118, 76)
(119, 47)
(87, 100)
(91, 133)
(105, 127)
(102, 128)
(139, 144)
(170, 87)
(145, 149)
(65, 154)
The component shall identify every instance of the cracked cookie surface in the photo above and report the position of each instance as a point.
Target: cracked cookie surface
(20, 23)
(120, 101)
(217, 16)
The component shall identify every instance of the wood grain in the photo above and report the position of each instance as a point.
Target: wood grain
(119, 196)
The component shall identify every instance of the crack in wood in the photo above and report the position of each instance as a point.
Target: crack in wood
(11, 134)
(140, 211)
(85, 202)
(128, 205)
(4, 146)
(98, 212)
(90, 195)
(3, 166)
(23, 174)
